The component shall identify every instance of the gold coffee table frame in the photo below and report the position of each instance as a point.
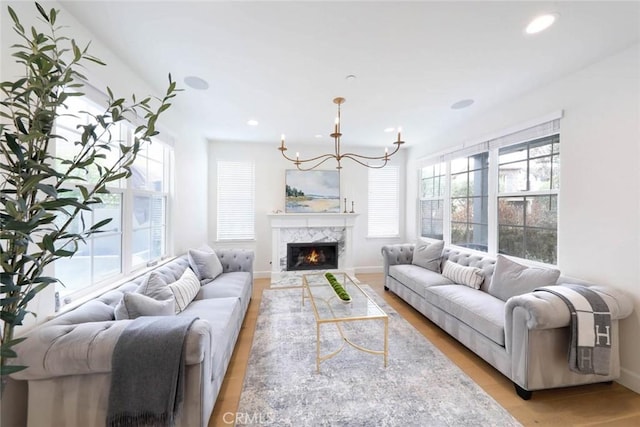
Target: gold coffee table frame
(329, 308)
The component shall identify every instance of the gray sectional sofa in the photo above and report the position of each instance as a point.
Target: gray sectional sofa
(524, 336)
(69, 357)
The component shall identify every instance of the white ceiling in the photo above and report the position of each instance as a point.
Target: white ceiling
(282, 63)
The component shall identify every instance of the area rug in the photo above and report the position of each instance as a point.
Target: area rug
(419, 387)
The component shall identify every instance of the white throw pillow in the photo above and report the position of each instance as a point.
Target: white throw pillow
(511, 279)
(155, 287)
(468, 276)
(428, 254)
(134, 305)
(206, 265)
(185, 289)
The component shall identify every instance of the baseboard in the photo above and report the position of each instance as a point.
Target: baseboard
(366, 270)
(630, 380)
(262, 274)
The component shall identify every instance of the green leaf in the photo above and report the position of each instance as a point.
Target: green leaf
(49, 190)
(47, 242)
(63, 253)
(100, 224)
(11, 369)
(42, 12)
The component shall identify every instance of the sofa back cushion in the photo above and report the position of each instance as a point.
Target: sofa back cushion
(206, 265)
(428, 254)
(511, 278)
(134, 305)
(484, 263)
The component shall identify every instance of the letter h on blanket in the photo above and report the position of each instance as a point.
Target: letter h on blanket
(590, 325)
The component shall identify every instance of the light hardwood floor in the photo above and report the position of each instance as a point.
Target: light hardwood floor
(591, 405)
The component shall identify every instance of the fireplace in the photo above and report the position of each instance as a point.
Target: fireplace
(312, 256)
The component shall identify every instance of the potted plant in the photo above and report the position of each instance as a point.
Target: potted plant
(340, 291)
(40, 194)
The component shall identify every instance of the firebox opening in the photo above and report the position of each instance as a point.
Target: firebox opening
(312, 256)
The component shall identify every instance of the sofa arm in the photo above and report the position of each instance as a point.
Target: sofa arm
(86, 348)
(401, 253)
(233, 259)
(544, 310)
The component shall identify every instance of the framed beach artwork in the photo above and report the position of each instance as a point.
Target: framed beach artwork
(312, 191)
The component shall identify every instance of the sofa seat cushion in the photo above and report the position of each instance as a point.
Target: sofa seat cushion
(225, 316)
(417, 278)
(478, 309)
(226, 285)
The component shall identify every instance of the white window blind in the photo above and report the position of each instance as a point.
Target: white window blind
(236, 200)
(384, 202)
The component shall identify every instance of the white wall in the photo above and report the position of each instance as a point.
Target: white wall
(599, 207)
(190, 189)
(270, 172)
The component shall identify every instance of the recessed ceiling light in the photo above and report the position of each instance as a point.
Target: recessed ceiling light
(351, 77)
(541, 23)
(317, 135)
(252, 122)
(462, 104)
(389, 129)
(195, 82)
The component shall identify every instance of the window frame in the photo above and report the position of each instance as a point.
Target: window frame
(528, 195)
(440, 170)
(539, 129)
(123, 187)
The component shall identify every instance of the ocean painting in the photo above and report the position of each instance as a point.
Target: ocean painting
(312, 191)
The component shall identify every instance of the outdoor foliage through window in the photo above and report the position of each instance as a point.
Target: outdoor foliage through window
(528, 199)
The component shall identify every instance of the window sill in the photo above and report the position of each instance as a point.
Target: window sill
(75, 303)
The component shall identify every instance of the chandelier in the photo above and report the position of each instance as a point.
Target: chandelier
(314, 162)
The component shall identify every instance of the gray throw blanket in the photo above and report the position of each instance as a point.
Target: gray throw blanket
(590, 347)
(147, 370)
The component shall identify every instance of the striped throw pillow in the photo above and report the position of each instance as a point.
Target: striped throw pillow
(185, 289)
(469, 276)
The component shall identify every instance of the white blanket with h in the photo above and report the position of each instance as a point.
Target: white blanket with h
(590, 347)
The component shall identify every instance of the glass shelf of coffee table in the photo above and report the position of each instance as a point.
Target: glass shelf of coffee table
(329, 308)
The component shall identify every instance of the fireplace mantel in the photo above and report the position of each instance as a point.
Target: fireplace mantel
(294, 220)
(283, 225)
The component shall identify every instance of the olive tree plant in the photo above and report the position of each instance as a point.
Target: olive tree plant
(41, 194)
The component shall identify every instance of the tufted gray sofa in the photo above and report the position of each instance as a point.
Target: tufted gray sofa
(69, 357)
(526, 338)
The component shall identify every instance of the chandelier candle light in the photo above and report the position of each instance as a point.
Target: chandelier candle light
(314, 162)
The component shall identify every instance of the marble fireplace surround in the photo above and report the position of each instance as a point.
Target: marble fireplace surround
(310, 228)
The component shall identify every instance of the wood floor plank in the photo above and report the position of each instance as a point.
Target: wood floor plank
(584, 406)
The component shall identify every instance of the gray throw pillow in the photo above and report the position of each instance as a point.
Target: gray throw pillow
(206, 265)
(428, 254)
(155, 287)
(511, 279)
(134, 305)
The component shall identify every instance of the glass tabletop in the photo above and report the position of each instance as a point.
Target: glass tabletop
(328, 306)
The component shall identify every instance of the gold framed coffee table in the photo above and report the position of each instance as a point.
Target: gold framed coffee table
(329, 308)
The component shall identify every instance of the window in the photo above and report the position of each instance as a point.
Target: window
(148, 184)
(501, 195)
(528, 199)
(432, 194)
(137, 207)
(384, 203)
(236, 200)
(469, 201)
(100, 257)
